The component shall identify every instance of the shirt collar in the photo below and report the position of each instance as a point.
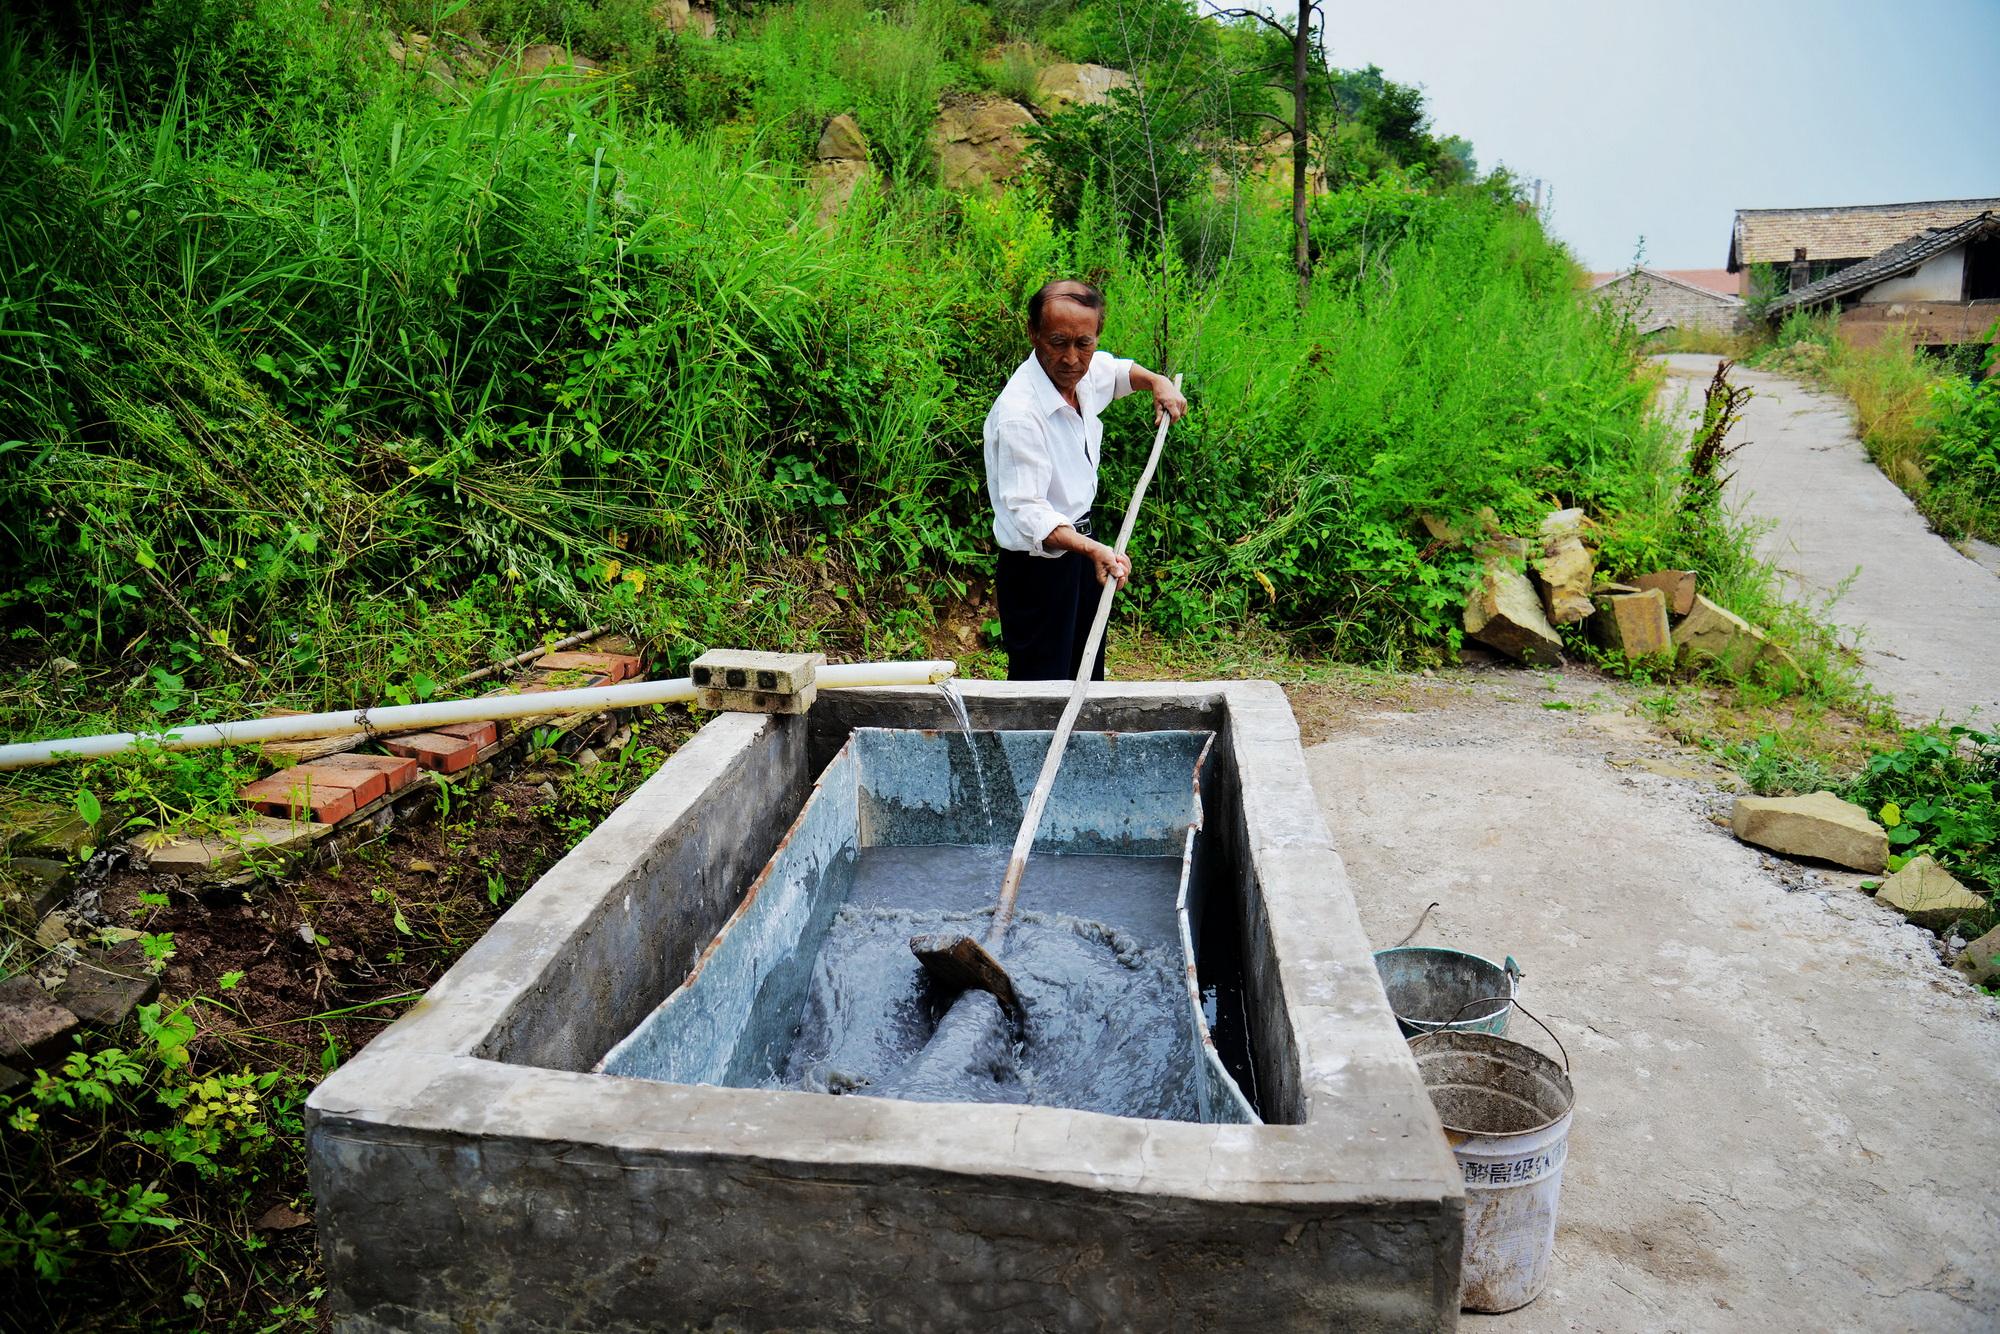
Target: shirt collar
(1048, 398)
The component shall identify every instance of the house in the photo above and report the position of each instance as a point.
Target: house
(1937, 290)
(1785, 249)
(1661, 299)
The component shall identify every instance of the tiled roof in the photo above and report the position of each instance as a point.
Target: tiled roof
(1897, 259)
(1769, 235)
(1708, 282)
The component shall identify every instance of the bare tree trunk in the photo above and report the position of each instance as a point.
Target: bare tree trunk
(1301, 244)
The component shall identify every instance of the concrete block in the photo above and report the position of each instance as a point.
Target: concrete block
(755, 701)
(34, 1028)
(1634, 625)
(1677, 586)
(435, 751)
(1820, 826)
(772, 673)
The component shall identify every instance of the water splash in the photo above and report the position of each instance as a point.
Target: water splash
(957, 703)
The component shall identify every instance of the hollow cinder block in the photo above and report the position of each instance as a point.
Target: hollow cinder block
(748, 682)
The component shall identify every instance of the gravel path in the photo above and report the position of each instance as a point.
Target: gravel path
(1785, 1101)
(1925, 617)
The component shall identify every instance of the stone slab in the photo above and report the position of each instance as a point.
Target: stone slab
(1676, 586)
(1634, 625)
(104, 987)
(1980, 961)
(1504, 612)
(38, 884)
(34, 1028)
(1715, 635)
(1820, 826)
(1929, 895)
(224, 854)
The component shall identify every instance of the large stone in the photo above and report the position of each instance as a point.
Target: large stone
(545, 58)
(980, 142)
(1820, 826)
(1711, 634)
(34, 1029)
(1927, 894)
(1634, 625)
(1676, 585)
(835, 181)
(1981, 960)
(1069, 85)
(842, 141)
(44, 829)
(30, 886)
(1504, 613)
(224, 854)
(680, 16)
(105, 986)
(1563, 573)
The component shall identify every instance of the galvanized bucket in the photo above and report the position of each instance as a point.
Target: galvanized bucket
(1427, 986)
(1506, 1109)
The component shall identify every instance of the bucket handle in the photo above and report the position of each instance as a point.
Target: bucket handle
(1487, 1000)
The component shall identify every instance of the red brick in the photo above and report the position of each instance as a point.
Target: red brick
(617, 666)
(296, 795)
(434, 750)
(479, 734)
(399, 771)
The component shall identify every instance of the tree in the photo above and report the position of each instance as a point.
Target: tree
(1308, 55)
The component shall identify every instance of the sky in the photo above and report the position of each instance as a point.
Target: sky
(1660, 119)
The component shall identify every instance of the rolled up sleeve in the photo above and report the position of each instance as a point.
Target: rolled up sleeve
(1118, 370)
(1021, 482)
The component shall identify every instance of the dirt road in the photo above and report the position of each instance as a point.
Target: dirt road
(1784, 1101)
(1925, 617)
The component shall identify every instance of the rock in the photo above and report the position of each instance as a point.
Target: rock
(1560, 524)
(219, 855)
(418, 866)
(34, 1029)
(1820, 826)
(1981, 960)
(11, 1080)
(1676, 585)
(43, 829)
(37, 885)
(281, 1217)
(587, 758)
(979, 142)
(103, 989)
(1068, 85)
(1563, 573)
(1709, 634)
(835, 181)
(546, 57)
(842, 141)
(1927, 894)
(52, 932)
(1504, 613)
(680, 15)
(1635, 625)
(1603, 586)
(547, 792)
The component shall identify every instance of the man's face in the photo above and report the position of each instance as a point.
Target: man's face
(1066, 341)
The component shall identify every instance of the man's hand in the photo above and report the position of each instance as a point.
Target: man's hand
(1110, 565)
(1169, 404)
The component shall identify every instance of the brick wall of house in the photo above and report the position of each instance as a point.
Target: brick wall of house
(1657, 305)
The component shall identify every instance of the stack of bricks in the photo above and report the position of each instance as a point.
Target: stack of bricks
(329, 790)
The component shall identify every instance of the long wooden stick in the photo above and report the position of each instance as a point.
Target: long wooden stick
(1031, 819)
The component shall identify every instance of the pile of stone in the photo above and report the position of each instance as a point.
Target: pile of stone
(1530, 586)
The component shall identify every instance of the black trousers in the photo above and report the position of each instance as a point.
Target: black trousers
(1046, 607)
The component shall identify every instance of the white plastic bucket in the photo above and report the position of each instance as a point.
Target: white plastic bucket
(1506, 1109)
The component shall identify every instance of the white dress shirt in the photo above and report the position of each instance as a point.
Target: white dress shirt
(1041, 453)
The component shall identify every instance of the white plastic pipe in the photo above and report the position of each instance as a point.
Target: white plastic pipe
(443, 713)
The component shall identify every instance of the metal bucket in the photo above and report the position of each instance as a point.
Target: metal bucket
(1506, 1109)
(1427, 986)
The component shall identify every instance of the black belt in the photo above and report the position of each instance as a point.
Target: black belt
(1082, 526)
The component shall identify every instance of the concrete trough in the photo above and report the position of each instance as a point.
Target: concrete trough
(471, 1170)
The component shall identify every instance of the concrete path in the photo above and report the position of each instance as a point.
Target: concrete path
(1925, 617)
(1785, 1102)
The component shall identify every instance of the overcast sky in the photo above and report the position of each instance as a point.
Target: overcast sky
(1662, 118)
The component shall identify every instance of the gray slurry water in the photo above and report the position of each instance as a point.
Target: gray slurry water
(1094, 952)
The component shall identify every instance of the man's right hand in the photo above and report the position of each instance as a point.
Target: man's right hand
(1110, 565)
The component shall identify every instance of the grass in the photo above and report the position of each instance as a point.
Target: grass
(1925, 423)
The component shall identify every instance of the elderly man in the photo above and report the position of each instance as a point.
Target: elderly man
(1043, 438)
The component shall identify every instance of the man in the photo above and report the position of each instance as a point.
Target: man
(1043, 439)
